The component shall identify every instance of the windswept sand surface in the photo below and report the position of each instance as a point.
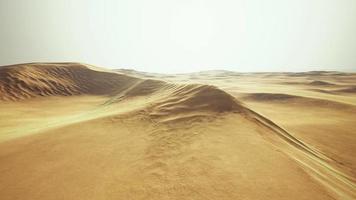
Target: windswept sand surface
(73, 131)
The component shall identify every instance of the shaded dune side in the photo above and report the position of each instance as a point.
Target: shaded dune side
(25, 81)
(268, 97)
(349, 90)
(321, 83)
(317, 83)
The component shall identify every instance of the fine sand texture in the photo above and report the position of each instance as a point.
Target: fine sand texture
(75, 131)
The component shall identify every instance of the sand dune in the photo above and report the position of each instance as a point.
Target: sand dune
(73, 131)
(321, 83)
(297, 100)
(351, 90)
(32, 80)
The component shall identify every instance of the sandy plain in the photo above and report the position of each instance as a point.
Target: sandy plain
(75, 131)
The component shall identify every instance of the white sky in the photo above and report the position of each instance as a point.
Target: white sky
(172, 36)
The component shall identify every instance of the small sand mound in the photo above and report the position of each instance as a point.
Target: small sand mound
(321, 83)
(26, 81)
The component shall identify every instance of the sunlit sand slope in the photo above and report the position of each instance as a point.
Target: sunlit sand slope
(69, 131)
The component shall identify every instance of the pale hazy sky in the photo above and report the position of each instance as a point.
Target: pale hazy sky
(182, 35)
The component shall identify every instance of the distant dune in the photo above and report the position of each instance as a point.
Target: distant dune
(351, 89)
(74, 131)
(293, 100)
(321, 83)
(33, 80)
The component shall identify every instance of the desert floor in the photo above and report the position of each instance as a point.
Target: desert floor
(74, 131)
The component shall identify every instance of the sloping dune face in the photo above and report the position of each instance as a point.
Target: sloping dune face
(70, 131)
